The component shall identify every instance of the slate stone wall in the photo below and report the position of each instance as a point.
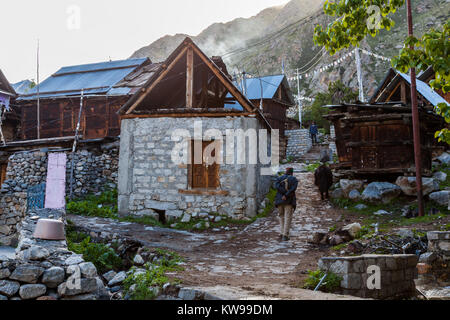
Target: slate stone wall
(150, 180)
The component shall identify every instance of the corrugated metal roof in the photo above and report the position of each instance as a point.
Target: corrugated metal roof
(425, 90)
(269, 86)
(22, 87)
(96, 78)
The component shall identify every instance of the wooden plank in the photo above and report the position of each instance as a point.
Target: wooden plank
(153, 85)
(226, 82)
(188, 115)
(190, 78)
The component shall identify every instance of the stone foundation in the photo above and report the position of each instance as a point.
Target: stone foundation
(299, 143)
(397, 274)
(47, 270)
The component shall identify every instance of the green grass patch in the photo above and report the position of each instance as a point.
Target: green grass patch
(331, 283)
(312, 167)
(104, 206)
(144, 285)
(103, 257)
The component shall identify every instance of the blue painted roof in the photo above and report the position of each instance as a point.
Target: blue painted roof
(269, 86)
(95, 78)
(426, 91)
(22, 87)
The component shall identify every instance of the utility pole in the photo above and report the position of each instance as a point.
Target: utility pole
(359, 73)
(415, 120)
(300, 107)
(74, 147)
(38, 100)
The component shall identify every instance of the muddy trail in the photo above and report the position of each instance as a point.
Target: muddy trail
(248, 261)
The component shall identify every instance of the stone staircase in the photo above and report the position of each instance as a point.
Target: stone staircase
(313, 155)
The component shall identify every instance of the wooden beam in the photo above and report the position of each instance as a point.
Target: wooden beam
(190, 78)
(226, 82)
(189, 115)
(153, 85)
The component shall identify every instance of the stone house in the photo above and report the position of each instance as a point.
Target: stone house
(190, 94)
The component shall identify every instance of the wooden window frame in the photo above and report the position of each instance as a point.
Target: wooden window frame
(199, 190)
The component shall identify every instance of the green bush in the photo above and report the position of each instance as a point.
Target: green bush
(331, 283)
(103, 257)
(312, 167)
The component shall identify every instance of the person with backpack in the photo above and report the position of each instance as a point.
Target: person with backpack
(285, 201)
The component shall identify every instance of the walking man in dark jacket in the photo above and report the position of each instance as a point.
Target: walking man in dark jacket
(286, 201)
(323, 178)
(313, 131)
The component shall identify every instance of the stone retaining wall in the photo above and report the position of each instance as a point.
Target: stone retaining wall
(397, 274)
(12, 211)
(299, 143)
(434, 266)
(47, 270)
(96, 169)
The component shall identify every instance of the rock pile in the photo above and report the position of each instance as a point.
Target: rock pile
(342, 235)
(47, 270)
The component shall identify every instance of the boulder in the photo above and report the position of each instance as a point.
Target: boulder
(352, 229)
(348, 185)
(354, 195)
(36, 253)
(138, 260)
(405, 233)
(440, 176)
(361, 206)
(186, 218)
(4, 273)
(381, 213)
(317, 237)
(441, 197)
(381, 191)
(76, 287)
(408, 185)
(337, 194)
(27, 273)
(109, 275)
(336, 240)
(88, 269)
(444, 158)
(53, 277)
(9, 288)
(31, 291)
(118, 279)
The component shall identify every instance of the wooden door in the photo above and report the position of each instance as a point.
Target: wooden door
(204, 176)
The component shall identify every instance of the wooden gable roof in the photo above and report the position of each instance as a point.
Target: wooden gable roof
(165, 77)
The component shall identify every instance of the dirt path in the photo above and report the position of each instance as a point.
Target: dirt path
(249, 261)
(255, 259)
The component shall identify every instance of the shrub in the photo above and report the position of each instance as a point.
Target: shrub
(331, 283)
(103, 257)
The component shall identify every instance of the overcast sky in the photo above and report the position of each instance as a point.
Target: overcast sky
(104, 28)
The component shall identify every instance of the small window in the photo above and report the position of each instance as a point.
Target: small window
(203, 176)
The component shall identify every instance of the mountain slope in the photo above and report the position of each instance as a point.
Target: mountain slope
(277, 34)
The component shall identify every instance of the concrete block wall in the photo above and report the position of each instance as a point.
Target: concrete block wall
(299, 143)
(397, 274)
(150, 180)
